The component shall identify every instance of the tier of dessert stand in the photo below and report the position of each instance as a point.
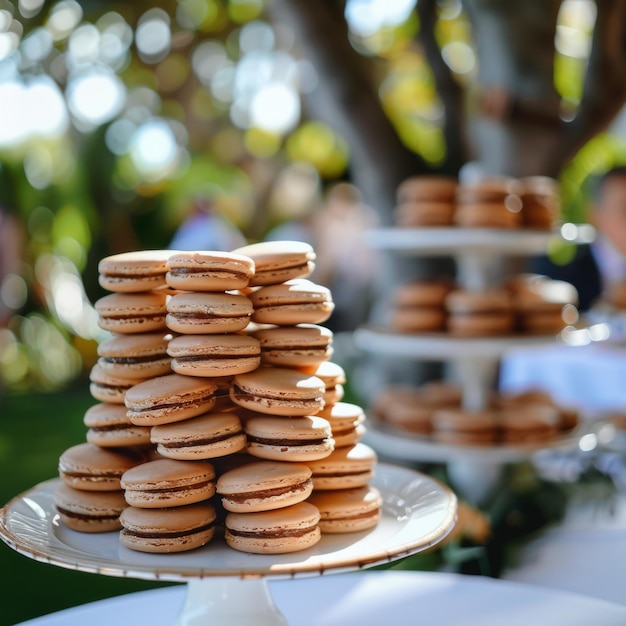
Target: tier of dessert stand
(226, 587)
(480, 254)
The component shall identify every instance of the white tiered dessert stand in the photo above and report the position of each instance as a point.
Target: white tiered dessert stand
(479, 252)
(226, 587)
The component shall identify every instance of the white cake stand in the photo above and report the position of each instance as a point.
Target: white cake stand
(226, 587)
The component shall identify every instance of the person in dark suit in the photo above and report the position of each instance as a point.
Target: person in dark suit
(598, 265)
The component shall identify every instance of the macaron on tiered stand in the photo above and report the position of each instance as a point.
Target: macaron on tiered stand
(483, 234)
(167, 528)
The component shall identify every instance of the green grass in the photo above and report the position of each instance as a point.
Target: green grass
(34, 431)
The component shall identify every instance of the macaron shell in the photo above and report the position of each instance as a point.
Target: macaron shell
(204, 437)
(214, 355)
(206, 313)
(177, 529)
(135, 356)
(89, 511)
(347, 510)
(298, 439)
(109, 427)
(301, 346)
(290, 529)
(297, 301)
(279, 261)
(107, 388)
(209, 271)
(169, 398)
(91, 468)
(264, 486)
(278, 391)
(132, 313)
(136, 271)
(166, 483)
(346, 467)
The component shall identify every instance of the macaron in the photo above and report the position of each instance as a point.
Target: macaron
(278, 261)
(92, 468)
(348, 510)
(264, 486)
(457, 426)
(285, 530)
(108, 388)
(166, 482)
(297, 301)
(300, 346)
(203, 437)
(297, 439)
(214, 355)
(209, 271)
(132, 312)
(89, 511)
(529, 424)
(205, 313)
(174, 529)
(334, 378)
(480, 313)
(169, 398)
(424, 213)
(278, 391)
(109, 427)
(347, 422)
(347, 467)
(135, 356)
(128, 272)
(427, 187)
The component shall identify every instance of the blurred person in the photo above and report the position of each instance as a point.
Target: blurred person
(205, 228)
(344, 263)
(598, 266)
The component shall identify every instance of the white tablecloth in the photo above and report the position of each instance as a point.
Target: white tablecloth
(591, 377)
(373, 599)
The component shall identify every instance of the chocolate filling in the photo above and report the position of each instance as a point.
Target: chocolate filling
(101, 477)
(339, 474)
(217, 357)
(155, 274)
(207, 316)
(199, 442)
(199, 485)
(129, 316)
(131, 360)
(244, 395)
(268, 493)
(169, 534)
(113, 387)
(82, 516)
(174, 405)
(206, 271)
(287, 442)
(273, 534)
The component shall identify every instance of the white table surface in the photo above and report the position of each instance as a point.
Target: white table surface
(373, 599)
(590, 377)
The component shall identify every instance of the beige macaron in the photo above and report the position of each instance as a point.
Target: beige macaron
(278, 261)
(136, 271)
(345, 468)
(282, 531)
(166, 482)
(168, 530)
(348, 510)
(264, 486)
(109, 427)
(132, 312)
(299, 346)
(209, 271)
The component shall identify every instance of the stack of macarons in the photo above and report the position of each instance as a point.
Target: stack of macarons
(490, 202)
(524, 304)
(434, 410)
(232, 411)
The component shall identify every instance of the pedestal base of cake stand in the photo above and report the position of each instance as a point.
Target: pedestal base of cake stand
(475, 479)
(229, 601)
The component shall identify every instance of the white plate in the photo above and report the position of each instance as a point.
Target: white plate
(398, 444)
(417, 513)
(454, 241)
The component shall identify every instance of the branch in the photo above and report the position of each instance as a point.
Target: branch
(448, 88)
(347, 100)
(604, 91)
